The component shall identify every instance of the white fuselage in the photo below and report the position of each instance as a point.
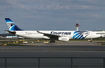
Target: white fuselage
(69, 34)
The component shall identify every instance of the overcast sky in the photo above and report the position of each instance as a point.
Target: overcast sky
(53, 14)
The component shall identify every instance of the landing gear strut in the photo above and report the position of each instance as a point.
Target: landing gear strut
(91, 40)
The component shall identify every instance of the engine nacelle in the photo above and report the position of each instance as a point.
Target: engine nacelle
(63, 38)
(45, 37)
(102, 36)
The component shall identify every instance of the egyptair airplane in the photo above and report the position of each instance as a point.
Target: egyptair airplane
(52, 35)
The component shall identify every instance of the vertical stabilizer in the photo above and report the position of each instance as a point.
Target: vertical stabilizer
(11, 25)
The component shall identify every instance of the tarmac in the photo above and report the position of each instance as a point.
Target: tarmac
(71, 54)
(58, 43)
(58, 46)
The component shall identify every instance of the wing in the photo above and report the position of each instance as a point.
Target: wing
(51, 36)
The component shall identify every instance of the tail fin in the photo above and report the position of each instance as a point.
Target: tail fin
(11, 25)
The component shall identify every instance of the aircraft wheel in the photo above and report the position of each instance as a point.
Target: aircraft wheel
(52, 41)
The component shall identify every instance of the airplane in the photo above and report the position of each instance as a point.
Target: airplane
(51, 35)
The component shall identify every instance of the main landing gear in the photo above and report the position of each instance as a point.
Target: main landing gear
(90, 40)
(52, 41)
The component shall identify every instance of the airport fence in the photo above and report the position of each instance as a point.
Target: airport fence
(52, 62)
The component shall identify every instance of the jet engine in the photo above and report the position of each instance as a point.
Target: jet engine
(63, 38)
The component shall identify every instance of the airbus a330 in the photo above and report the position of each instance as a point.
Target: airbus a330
(51, 35)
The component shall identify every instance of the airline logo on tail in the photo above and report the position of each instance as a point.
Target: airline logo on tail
(11, 25)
